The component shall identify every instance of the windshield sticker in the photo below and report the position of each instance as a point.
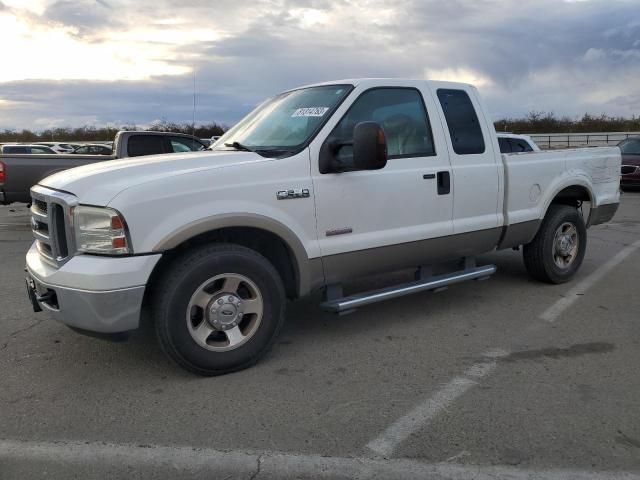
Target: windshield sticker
(310, 112)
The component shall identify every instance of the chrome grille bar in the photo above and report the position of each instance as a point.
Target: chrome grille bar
(50, 224)
(40, 236)
(36, 212)
(42, 250)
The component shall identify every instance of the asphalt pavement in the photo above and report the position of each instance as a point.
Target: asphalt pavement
(507, 378)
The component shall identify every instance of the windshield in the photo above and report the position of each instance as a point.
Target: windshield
(284, 123)
(630, 146)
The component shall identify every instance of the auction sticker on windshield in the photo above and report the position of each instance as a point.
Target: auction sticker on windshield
(310, 112)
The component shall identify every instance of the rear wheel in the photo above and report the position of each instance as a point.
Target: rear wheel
(556, 252)
(218, 309)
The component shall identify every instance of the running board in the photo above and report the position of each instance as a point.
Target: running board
(350, 303)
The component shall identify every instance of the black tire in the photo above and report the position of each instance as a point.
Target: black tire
(539, 254)
(174, 292)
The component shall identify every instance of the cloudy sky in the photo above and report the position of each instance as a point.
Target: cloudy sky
(76, 62)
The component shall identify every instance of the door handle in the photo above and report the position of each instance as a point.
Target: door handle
(428, 176)
(444, 183)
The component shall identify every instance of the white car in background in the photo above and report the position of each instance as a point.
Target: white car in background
(60, 147)
(512, 143)
(94, 149)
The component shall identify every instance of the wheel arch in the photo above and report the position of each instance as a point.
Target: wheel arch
(275, 241)
(572, 193)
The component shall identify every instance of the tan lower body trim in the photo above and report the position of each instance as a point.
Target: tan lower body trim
(360, 263)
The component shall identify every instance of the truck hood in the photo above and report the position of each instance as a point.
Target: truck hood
(98, 183)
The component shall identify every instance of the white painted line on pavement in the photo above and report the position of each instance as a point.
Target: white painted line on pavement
(31, 458)
(387, 442)
(555, 310)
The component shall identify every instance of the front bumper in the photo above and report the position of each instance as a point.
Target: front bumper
(113, 311)
(91, 293)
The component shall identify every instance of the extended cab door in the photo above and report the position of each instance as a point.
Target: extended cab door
(476, 163)
(378, 220)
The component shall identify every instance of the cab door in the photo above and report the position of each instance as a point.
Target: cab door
(378, 220)
(475, 161)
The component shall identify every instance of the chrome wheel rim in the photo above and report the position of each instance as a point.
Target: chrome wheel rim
(224, 312)
(565, 245)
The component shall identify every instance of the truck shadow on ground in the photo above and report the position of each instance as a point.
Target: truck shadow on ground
(306, 325)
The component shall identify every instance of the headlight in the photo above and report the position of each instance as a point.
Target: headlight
(100, 230)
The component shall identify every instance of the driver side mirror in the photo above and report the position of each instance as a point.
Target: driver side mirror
(369, 146)
(368, 150)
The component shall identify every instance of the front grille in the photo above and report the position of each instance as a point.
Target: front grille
(40, 205)
(628, 169)
(50, 223)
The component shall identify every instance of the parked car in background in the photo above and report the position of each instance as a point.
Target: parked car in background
(60, 147)
(28, 149)
(93, 149)
(630, 149)
(19, 172)
(512, 143)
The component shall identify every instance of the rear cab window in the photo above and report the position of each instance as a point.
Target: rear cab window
(139, 145)
(462, 121)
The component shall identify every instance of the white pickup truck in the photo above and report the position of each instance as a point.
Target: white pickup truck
(317, 186)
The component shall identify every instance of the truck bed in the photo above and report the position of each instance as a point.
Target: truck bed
(533, 179)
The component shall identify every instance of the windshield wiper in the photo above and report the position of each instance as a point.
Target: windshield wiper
(239, 146)
(264, 152)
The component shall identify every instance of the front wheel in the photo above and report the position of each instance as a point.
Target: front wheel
(556, 252)
(218, 309)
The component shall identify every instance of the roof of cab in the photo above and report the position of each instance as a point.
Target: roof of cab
(385, 81)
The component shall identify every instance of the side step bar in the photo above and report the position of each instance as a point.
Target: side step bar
(350, 303)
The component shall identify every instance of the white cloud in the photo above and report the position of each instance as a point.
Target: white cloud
(34, 6)
(43, 51)
(464, 75)
(121, 61)
(309, 17)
